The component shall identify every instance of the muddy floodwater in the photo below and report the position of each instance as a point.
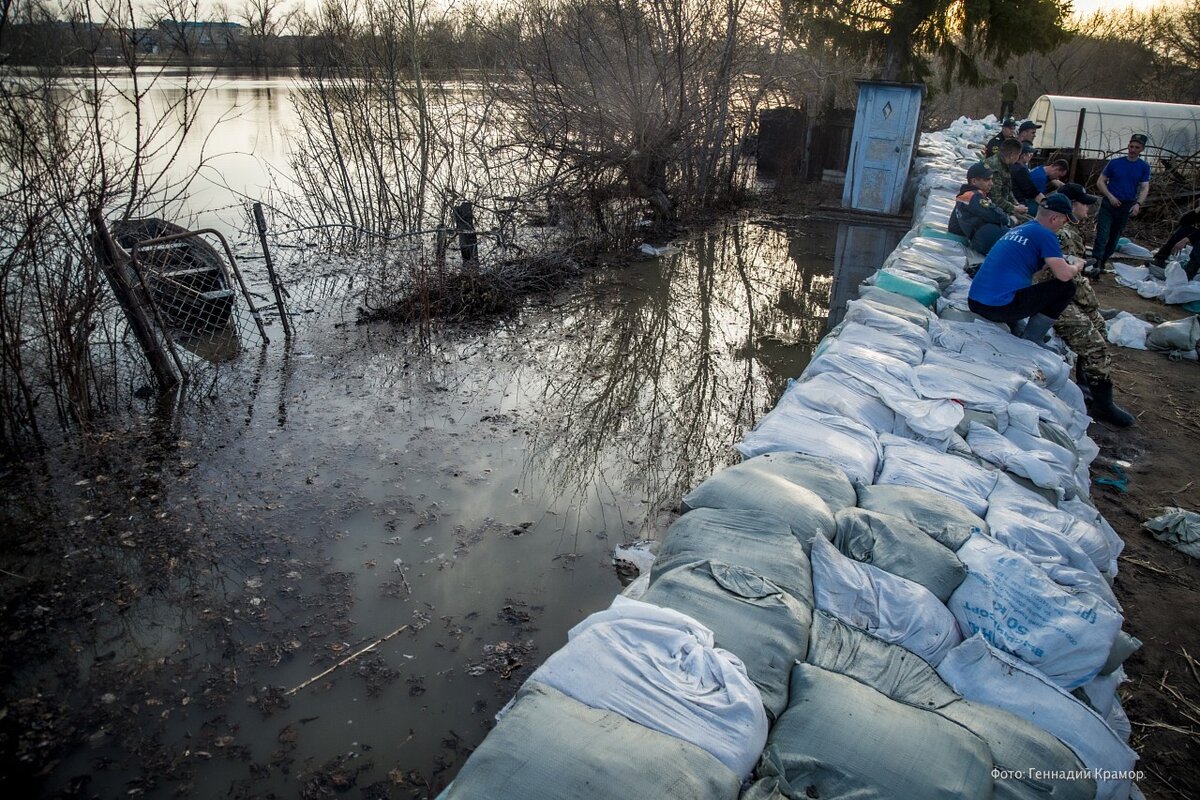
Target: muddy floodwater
(168, 587)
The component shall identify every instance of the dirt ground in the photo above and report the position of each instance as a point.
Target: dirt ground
(1158, 586)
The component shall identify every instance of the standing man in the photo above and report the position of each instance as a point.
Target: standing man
(1003, 289)
(1124, 184)
(1008, 130)
(1008, 97)
(1081, 325)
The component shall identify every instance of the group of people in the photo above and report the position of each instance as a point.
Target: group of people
(1034, 269)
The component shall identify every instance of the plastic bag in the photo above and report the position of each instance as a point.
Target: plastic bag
(1126, 330)
(1178, 528)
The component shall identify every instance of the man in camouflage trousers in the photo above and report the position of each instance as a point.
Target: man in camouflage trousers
(1081, 325)
(1001, 194)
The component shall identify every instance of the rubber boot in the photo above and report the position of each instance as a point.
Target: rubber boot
(1081, 381)
(1037, 328)
(1103, 408)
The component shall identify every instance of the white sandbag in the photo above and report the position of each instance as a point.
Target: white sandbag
(896, 546)
(1067, 635)
(1071, 418)
(897, 304)
(979, 343)
(749, 616)
(1038, 467)
(550, 747)
(1020, 503)
(946, 520)
(907, 463)
(851, 445)
(660, 669)
(843, 396)
(882, 342)
(1179, 289)
(1017, 746)
(866, 314)
(1133, 249)
(984, 674)
(1126, 330)
(892, 608)
(949, 375)
(1086, 512)
(842, 739)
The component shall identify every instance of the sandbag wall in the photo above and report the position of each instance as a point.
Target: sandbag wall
(901, 591)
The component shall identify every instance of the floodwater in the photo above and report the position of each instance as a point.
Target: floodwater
(458, 493)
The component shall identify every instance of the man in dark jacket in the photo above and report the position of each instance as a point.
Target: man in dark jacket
(975, 217)
(1023, 188)
(1187, 231)
(1008, 130)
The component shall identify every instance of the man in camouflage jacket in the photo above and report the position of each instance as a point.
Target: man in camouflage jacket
(1081, 325)
(1002, 193)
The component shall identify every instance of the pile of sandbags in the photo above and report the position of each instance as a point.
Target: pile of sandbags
(903, 591)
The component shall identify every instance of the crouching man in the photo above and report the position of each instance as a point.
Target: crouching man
(1003, 290)
(975, 217)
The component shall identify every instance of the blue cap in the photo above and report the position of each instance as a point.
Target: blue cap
(1060, 203)
(980, 170)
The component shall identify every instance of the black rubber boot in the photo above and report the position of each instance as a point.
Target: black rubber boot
(1082, 382)
(1104, 409)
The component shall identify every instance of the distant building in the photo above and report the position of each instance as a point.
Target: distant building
(196, 37)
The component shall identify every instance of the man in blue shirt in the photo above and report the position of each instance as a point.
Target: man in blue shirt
(1123, 186)
(1003, 289)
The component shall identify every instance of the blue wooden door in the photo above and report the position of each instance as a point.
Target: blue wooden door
(885, 128)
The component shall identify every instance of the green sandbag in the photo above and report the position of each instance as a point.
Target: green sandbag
(749, 616)
(891, 282)
(946, 520)
(842, 740)
(935, 233)
(756, 540)
(550, 747)
(1015, 745)
(898, 547)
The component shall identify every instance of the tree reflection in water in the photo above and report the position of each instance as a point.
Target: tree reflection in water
(665, 370)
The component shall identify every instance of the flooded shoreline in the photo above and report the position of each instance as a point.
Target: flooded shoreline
(470, 486)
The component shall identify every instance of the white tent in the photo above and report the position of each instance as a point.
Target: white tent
(1107, 124)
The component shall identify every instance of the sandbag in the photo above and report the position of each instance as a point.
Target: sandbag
(898, 547)
(946, 520)
(764, 484)
(749, 616)
(980, 672)
(758, 540)
(899, 347)
(1019, 609)
(1016, 746)
(864, 313)
(889, 607)
(550, 747)
(1181, 334)
(907, 463)
(661, 669)
(849, 444)
(842, 740)
(920, 292)
(896, 304)
(819, 475)
(841, 395)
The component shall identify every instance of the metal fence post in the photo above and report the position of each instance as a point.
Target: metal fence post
(261, 223)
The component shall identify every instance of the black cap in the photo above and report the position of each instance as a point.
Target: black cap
(1026, 147)
(1008, 122)
(1060, 203)
(1028, 125)
(1076, 194)
(1140, 138)
(980, 170)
